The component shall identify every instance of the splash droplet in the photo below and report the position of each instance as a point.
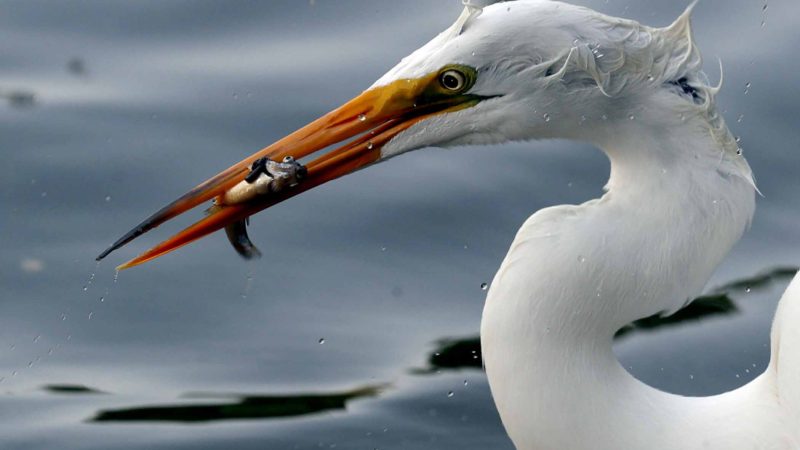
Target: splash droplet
(321, 341)
(484, 286)
(362, 117)
(546, 117)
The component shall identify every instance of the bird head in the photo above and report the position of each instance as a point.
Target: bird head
(508, 71)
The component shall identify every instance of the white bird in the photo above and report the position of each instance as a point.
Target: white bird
(680, 194)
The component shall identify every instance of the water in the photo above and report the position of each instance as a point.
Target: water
(110, 110)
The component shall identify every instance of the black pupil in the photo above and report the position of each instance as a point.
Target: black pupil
(451, 81)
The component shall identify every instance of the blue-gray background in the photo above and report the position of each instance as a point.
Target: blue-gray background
(108, 110)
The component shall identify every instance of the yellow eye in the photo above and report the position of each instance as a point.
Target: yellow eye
(453, 80)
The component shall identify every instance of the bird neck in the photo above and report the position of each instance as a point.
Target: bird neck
(576, 274)
(676, 202)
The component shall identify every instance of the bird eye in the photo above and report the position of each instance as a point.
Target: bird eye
(453, 80)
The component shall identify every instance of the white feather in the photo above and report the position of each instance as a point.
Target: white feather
(679, 196)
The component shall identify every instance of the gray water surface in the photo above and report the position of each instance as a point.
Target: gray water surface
(109, 110)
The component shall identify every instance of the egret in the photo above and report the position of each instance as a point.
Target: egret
(679, 196)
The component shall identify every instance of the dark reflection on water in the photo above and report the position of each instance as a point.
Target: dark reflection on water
(759, 281)
(71, 389)
(238, 407)
(77, 66)
(18, 98)
(465, 353)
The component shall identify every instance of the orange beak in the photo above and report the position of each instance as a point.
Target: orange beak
(371, 120)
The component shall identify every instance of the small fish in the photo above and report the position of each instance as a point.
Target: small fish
(237, 235)
(265, 177)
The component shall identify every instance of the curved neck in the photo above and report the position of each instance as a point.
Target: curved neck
(576, 274)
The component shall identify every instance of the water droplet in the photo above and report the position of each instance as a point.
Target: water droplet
(370, 145)
(90, 315)
(466, 383)
(691, 377)
(748, 289)
(108, 198)
(581, 259)
(362, 117)
(102, 299)
(63, 317)
(650, 77)
(739, 151)
(546, 117)
(44, 194)
(451, 394)
(116, 276)
(235, 96)
(604, 117)
(484, 286)
(36, 339)
(321, 341)
(632, 117)
(741, 118)
(738, 139)
(85, 288)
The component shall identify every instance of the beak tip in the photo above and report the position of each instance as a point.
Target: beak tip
(125, 266)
